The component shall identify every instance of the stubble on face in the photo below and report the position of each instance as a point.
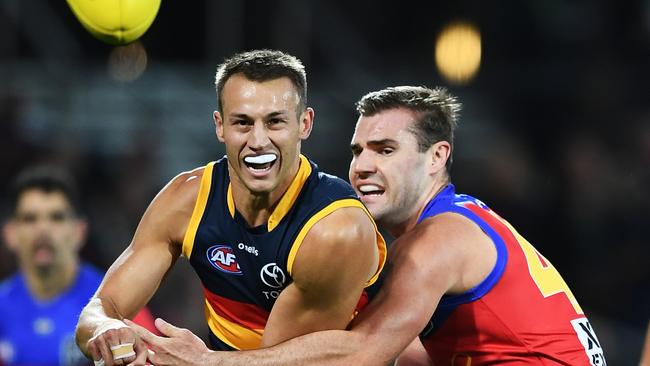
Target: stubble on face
(261, 103)
(401, 170)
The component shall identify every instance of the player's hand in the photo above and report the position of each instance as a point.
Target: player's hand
(116, 344)
(178, 347)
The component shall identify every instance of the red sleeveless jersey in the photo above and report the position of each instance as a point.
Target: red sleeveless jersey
(523, 313)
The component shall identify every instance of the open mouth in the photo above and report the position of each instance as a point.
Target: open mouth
(43, 251)
(260, 163)
(370, 190)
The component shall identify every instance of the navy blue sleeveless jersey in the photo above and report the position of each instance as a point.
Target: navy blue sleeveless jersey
(243, 269)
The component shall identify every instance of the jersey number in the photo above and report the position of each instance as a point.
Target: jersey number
(546, 277)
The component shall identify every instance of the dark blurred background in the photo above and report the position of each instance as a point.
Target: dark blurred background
(554, 134)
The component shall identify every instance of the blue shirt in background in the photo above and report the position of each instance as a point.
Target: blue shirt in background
(34, 332)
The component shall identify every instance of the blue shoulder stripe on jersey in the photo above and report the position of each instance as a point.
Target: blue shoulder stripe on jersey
(448, 201)
(497, 271)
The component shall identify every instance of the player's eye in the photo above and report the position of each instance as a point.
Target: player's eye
(27, 218)
(58, 216)
(274, 121)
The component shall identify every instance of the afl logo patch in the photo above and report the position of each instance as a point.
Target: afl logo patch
(272, 275)
(222, 258)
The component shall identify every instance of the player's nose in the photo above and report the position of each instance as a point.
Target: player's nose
(363, 164)
(259, 137)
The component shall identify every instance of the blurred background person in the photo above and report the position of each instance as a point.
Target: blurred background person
(41, 302)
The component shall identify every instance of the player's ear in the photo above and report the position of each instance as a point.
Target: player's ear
(306, 123)
(218, 123)
(81, 232)
(9, 235)
(439, 153)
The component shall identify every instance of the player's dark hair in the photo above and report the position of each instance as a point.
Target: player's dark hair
(436, 112)
(48, 179)
(263, 65)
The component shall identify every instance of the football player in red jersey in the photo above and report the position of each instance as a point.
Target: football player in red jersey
(461, 282)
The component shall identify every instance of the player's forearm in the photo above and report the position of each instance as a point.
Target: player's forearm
(91, 318)
(334, 347)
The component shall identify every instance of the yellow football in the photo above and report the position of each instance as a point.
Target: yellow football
(115, 22)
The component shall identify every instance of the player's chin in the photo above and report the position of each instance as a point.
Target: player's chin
(261, 186)
(376, 209)
(44, 268)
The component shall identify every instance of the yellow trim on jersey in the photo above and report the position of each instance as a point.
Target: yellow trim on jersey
(348, 202)
(199, 208)
(230, 200)
(381, 246)
(233, 334)
(288, 198)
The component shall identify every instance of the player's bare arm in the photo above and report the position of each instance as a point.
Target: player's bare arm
(336, 260)
(414, 355)
(136, 274)
(421, 269)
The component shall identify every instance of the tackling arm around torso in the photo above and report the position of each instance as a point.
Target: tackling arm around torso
(335, 261)
(134, 277)
(443, 254)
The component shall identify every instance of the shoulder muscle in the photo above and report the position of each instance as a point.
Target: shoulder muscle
(343, 241)
(172, 207)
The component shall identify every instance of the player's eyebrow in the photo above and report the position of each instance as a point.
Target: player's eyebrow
(355, 147)
(374, 144)
(269, 115)
(382, 142)
(277, 113)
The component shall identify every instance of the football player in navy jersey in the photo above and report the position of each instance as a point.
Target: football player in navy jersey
(281, 249)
